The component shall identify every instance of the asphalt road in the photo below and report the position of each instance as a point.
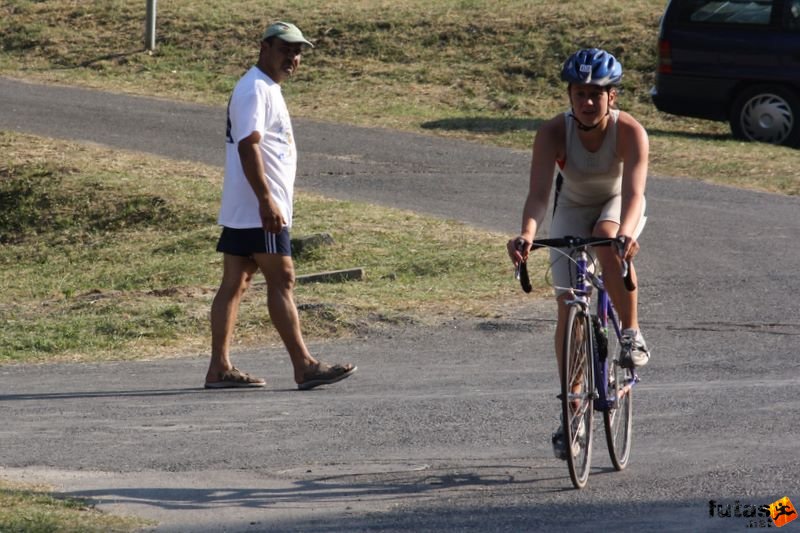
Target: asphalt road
(442, 429)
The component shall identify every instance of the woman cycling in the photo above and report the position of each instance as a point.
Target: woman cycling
(598, 156)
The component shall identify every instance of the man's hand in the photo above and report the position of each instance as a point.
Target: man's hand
(253, 166)
(271, 219)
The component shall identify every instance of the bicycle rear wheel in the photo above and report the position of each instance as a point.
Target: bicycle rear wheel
(577, 395)
(618, 421)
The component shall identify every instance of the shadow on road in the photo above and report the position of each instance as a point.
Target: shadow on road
(110, 394)
(424, 501)
(328, 489)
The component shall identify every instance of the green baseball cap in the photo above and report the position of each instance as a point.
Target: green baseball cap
(286, 32)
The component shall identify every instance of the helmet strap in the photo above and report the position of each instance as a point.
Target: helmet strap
(581, 125)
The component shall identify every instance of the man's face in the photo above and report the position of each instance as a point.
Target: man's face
(280, 59)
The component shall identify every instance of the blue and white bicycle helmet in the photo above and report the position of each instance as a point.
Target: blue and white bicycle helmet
(592, 66)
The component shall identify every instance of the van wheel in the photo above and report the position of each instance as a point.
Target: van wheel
(767, 114)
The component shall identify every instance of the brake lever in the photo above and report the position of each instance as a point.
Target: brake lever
(521, 271)
(627, 275)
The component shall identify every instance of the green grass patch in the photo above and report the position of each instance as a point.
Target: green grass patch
(110, 255)
(471, 69)
(35, 510)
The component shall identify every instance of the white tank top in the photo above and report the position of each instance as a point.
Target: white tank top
(590, 178)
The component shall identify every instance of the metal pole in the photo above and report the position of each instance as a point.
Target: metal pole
(150, 26)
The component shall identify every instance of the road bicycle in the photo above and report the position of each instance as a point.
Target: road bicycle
(593, 378)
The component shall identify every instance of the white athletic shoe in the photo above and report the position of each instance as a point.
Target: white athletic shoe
(634, 352)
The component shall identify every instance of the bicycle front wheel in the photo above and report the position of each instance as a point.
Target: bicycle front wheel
(618, 420)
(577, 395)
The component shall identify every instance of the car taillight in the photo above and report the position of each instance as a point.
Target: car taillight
(664, 57)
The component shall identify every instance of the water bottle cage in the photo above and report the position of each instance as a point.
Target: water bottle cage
(600, 337)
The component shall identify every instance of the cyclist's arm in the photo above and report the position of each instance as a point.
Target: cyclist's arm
(548, 147)
(634, 148)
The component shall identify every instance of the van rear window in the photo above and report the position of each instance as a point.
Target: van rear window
(749, 12)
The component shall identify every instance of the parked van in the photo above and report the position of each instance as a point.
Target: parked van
(735, 61)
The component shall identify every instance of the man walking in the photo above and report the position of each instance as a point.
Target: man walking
(256, 214)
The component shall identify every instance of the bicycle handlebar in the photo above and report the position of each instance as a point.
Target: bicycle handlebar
(576, 242)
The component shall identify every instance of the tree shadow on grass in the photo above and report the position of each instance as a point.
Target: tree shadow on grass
(107, 57)
(484, 124)
(506, 125)
(691, 135)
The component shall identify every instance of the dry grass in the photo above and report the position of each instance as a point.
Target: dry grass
(465, 68)
(110, 255)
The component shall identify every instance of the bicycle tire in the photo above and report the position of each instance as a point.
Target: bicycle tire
(618, 421)
(577, 406)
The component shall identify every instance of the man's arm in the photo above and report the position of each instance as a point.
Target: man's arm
(253, 167)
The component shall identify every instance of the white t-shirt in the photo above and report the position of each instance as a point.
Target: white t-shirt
(257, 104)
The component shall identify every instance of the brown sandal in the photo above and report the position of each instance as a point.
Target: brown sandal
(235, 379)
(325, 374)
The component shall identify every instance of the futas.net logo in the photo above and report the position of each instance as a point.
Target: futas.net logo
(775, 514)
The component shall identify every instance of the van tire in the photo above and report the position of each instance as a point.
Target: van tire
(767, 113)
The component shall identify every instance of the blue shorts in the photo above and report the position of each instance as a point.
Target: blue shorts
(249, 241)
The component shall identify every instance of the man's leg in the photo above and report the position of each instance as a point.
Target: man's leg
(278, 270)
(237, 272)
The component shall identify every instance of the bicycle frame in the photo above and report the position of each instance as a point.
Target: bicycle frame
(606, 385)
(585, 281)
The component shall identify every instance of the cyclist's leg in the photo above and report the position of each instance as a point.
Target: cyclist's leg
(561, 324)
(578, 222)
(607, 225)
(625, 301)
(561, 321)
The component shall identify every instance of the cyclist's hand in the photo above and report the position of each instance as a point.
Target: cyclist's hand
(518, 249)
(629, 248)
